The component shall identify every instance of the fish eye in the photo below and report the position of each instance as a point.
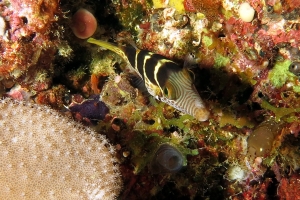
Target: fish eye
(193, 55)
(169, 91)
(166, 92)
(295, 68)
(270, 9)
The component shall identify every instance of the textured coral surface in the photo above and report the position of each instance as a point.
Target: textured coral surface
(47, 156)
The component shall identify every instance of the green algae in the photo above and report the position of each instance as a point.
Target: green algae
(160, 121)
(279, 112)
(228, 118)
(269, 160)
(221, 61)
(280, 73)
(207, 41)
(296, 88)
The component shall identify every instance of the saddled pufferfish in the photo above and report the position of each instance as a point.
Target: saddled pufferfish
(164, 79)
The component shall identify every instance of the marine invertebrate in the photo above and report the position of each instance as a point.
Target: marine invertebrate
(260, 142)
(93, 109)
(44, 155)
(176, 4)
(189, 6)
(167, 159)
(84, 24)
(163, 79)
(246, 12)
(236, 173)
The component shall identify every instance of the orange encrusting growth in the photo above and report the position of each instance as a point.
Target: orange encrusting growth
(211, 9)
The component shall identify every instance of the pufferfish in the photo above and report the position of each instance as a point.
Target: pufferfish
(164, 79)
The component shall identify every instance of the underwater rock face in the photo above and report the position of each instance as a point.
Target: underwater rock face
(26, 39)
(167, 159)
(231, 55)
(44, 155)
(289, 187)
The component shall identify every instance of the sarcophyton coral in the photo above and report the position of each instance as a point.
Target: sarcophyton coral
(44, 155)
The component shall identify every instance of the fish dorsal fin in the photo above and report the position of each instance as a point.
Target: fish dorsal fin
(110, 46)
(127, 53)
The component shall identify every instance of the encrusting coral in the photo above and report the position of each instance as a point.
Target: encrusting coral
(44, 155)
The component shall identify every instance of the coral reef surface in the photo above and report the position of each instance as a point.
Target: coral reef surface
(243, 57)
(47, 156)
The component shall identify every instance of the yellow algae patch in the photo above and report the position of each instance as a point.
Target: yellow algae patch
(160, 3)
(176, 4)
(240, 122)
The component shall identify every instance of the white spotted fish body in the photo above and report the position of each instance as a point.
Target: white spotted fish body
(164, 79)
